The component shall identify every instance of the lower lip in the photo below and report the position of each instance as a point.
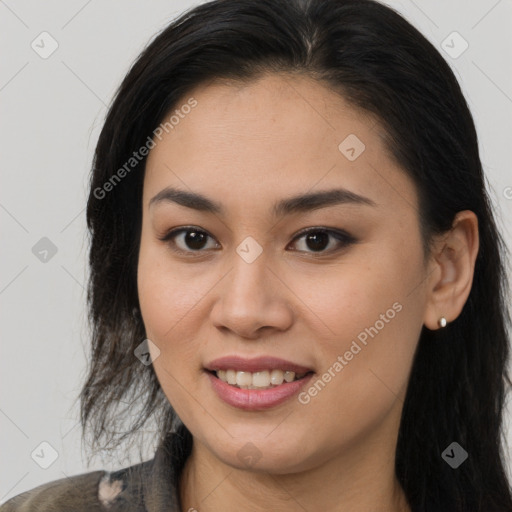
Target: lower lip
(255, 399)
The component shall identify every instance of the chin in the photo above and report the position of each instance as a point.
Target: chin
(260, 455)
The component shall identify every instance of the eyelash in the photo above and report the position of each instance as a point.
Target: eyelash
(342, 237)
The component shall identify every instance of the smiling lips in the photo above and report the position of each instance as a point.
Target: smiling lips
(256, 384)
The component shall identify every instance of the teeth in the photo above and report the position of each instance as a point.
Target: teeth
(230, 377)
(243, 379)
(276, 377)
(257, 380)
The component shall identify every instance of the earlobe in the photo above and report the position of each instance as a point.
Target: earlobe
(451, 276)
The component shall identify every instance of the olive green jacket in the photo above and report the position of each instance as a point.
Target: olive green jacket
(145, 487)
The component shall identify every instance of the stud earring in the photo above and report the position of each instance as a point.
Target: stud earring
(442, 322)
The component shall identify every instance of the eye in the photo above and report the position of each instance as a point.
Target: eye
(190, 239)
(193, 241)
(317, 239)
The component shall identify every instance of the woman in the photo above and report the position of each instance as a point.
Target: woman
(366, 372)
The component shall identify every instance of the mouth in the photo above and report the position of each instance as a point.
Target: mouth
(258, 390)
(265, 379)
(263, 372)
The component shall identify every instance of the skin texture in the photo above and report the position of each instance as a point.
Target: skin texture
(247, 147)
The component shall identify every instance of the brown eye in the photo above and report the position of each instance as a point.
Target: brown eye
(193, 239)
(318, 240)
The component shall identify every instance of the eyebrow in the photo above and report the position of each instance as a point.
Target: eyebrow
(288, 206)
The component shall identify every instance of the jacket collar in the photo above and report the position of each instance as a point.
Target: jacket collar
(150, 486)
(161, 490)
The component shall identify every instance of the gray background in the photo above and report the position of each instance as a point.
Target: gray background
(52, 110)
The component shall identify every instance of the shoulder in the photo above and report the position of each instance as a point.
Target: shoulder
(87, 492)
(146, 486)
(77, 493)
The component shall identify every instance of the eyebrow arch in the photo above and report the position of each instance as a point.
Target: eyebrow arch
(299, 203)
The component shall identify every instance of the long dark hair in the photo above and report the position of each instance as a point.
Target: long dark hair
(381, 64)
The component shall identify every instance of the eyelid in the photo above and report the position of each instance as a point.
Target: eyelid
(343, 238)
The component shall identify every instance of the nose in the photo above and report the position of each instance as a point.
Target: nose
(252, 298)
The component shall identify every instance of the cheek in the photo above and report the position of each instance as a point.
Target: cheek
(167, 299)
(374, 321)
(369, 322)
(172, 300)
(165, 294)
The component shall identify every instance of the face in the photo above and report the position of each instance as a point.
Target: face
(343, 300)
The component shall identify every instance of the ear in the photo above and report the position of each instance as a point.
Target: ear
(451, 270)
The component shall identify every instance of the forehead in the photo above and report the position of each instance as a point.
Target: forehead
(271, 137)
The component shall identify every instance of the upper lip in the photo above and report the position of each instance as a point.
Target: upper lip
(256, 364)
